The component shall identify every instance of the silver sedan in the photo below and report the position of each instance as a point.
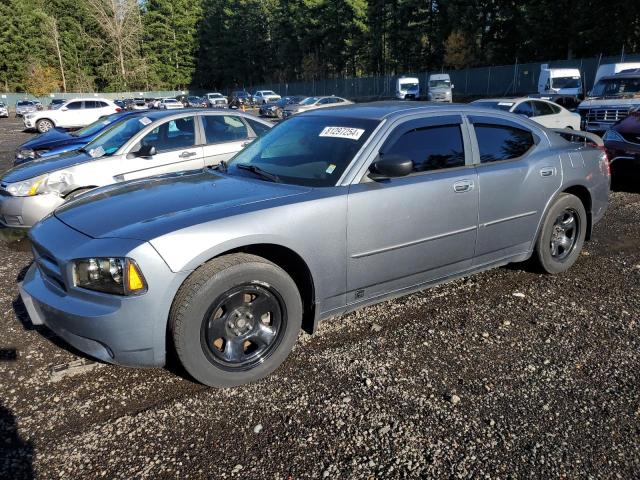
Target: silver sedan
(329, 211)
(146, 144)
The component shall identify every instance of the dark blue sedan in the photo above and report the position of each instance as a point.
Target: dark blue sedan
(57, 140)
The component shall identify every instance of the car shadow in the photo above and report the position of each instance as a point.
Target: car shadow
(625, 179)
(16, 454)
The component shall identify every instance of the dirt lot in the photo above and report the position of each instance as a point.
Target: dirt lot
(503, 374)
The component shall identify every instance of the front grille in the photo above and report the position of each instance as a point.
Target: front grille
(220, 102)
(48, 266)
(606, 114)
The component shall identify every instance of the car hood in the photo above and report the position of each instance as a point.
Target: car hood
(609, 102)
(42, 165)
(53, 136)
(148, 208)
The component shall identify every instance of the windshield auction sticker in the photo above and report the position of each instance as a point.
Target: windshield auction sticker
(342, 132)
(145, 121)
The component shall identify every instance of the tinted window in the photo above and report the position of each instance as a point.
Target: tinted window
(173, 135)
(102, 104)
(542, 108)
(431, 148)
(224, 128)
(525, 109)
(500, 142)
(74, 105)
(259, 128)
(90, 104)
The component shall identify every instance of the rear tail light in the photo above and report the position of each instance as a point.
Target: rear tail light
(118, 109)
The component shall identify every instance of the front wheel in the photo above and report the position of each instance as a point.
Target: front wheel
(562, 235)
(44, 125)
(235, 320)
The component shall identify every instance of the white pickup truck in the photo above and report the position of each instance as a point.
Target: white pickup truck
(265, 96)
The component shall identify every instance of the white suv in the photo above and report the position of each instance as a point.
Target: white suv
(75, 113)
(265, 96)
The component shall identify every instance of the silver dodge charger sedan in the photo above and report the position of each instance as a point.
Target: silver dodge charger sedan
(143, 145)
(329, 211)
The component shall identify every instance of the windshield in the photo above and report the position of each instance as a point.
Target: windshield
(616, 87)
(497, 105)
(24, 104)
(170, 100)
(115, 137)
(309, 101)
(439, 83)
(98, 125)
(409, 86)
(566, 82)
(268, 92)
(312, 151)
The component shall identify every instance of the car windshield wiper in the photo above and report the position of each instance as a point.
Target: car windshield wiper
(222, 166)
(272, 177)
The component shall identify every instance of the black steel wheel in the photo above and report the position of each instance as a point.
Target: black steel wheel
(235, 319)
(562, 234)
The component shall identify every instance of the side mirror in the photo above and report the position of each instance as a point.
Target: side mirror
(64, 109)
(452, 86)
(146, 151)
(390, 166)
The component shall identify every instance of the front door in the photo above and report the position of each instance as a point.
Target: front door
(406, 231)
(176, 150)
(516, 176)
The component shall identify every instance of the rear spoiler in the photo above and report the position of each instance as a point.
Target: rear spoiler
(578, 136)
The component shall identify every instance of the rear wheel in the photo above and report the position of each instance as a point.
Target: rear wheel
(562, 235)
(44, 125)
(235, 320)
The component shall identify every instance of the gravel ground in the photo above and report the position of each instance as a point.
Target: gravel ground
(504, 374)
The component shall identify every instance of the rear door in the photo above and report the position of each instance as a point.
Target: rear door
(406, 231)
(177, 148)
(224, 136)
(517, 176)
(545, 115)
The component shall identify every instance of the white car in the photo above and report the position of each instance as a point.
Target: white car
(170, 104)
(75, 113)
(216, 100)
(4, 111)
(265, 96)
(544, 112)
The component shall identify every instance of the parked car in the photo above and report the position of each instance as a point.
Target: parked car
(120, 103)
(276, 109)
(622, 142)
(57, 141)
(4, 110)
(216, 100)
(75, 113)
(240, 98)
(313, 103)
(140, 146)
(610, 101)
(329, 211)
(265, 96)
(56, 103)
(170, 104)
(546, 113)
(24, 107)
(194, 102)
(137, 104)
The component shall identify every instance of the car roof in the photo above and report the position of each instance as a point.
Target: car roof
(388, 109)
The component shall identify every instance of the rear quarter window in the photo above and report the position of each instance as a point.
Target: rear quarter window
(497, 143)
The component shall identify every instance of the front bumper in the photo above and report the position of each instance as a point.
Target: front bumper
(24, 212)
(117, 329)
(28, 123)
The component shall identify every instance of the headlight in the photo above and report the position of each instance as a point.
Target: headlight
(613, 136)
(56, 182)
(119, 276)
(29, 115)
(26, 153)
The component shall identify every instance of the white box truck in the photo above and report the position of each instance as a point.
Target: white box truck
(614, 68)
(407, 88)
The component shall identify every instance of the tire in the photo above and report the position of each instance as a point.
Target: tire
(215, 339)
(560, 240)
(44, 125)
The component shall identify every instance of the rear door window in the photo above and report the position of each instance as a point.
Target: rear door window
(525, 108)
(224, 128)
(258, 128)
(497, 143)
(542, 108)
(430, 148)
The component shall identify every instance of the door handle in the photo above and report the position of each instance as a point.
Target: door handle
(547, 171)
(188, 154)
(463, 186)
